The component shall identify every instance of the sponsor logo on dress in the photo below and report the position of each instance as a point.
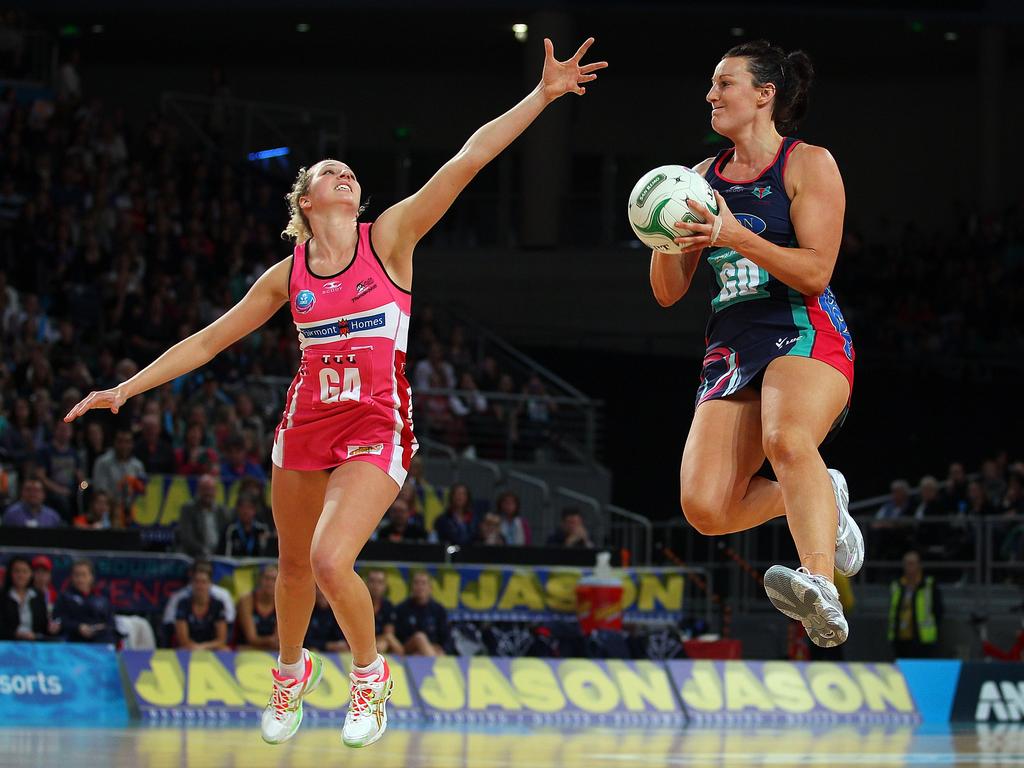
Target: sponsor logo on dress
(332, 287)
(345, 326)
(304, 301)
(736, 188)
(363, 287)
(762, 192)
(784, 341)
(754, 223)
(365, 450)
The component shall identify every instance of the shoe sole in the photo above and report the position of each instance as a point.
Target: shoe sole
(383, 727)
(840, 488)
(808, 608)
(318, 675)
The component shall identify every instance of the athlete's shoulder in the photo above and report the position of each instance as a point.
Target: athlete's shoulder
(277, 279)
(804, 157)
(703, 166)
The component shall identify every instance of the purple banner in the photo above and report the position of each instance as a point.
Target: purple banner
(766, 692)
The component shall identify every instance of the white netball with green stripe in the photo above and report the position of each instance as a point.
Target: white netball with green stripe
(658, 201)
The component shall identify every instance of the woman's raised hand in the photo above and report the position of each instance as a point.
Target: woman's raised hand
(107, 398)
(561, 77)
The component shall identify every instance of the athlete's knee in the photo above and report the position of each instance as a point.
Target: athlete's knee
(328, 568)
(294, 569)
(785, 445)
(706, 514)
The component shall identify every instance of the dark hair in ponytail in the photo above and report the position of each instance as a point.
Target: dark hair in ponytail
(790, 73)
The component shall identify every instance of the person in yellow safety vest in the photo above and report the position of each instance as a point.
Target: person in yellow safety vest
(915, 611)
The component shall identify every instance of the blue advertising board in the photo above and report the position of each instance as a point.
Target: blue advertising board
(60, 684)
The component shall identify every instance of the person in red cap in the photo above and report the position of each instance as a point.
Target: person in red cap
(42, 582)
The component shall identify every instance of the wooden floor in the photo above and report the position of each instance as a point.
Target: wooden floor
(405, 747)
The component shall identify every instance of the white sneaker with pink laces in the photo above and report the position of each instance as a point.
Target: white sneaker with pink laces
(367, 716)
(283, 715)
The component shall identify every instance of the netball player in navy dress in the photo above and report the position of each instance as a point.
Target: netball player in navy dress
(778, 370)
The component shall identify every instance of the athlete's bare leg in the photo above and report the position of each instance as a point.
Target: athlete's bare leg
(357, 496)
(800, 401)
(718, 491)
(296, 499)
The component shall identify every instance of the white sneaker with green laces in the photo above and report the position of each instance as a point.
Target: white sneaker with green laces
(367, 716)
(283, 715)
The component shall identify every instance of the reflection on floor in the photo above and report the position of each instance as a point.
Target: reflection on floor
(405, 747)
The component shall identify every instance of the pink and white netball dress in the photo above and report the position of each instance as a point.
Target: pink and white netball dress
(350, 400)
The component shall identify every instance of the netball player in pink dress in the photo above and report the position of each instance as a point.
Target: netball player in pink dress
(342, 449)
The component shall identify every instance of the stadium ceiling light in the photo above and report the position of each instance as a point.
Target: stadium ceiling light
(302, 27)
(97, 29)
(737, 31)
(520, 30)
(950, 37)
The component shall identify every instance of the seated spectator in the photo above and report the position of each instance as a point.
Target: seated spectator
(185, 593)
(153, 449)
(514, 527)
(118, 472)
(572, 533)
(22, 608)
(931, 504)
(456, 526)
(470, 406)
(898, 505)
(398, 526)
(383, 613)
(978, 503)
(429, 501)
(537, 415)
(992, 481)
(421, 623)
(30, 512)
(1013, 499)
(323, 633)
(246, 536)
(434, 365)
(235, 465)
(97, 514)
(257, 617)
(60, 470)
(488, 533)
(42, 581)
(194, 458)
(956, 488)
(202, 521)
(200, 621)
(85, 616)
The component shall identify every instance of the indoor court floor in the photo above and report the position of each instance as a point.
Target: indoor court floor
(407, 746)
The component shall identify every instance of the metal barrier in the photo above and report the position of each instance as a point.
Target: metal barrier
(537, 428)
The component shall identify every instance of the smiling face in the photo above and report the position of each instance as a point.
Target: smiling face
(734, 98)
(332, 184)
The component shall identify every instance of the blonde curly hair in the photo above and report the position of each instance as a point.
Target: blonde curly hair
(298, 225)
(298, 228)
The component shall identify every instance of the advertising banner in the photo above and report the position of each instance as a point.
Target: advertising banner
(544, 691)
(60, 683)
(777, 692)
(141, 583)
(208, 686)
(989, 692)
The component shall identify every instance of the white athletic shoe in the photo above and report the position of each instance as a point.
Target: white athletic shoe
(367, 716)
(810, 599)
(849, 539)
(283, 715)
